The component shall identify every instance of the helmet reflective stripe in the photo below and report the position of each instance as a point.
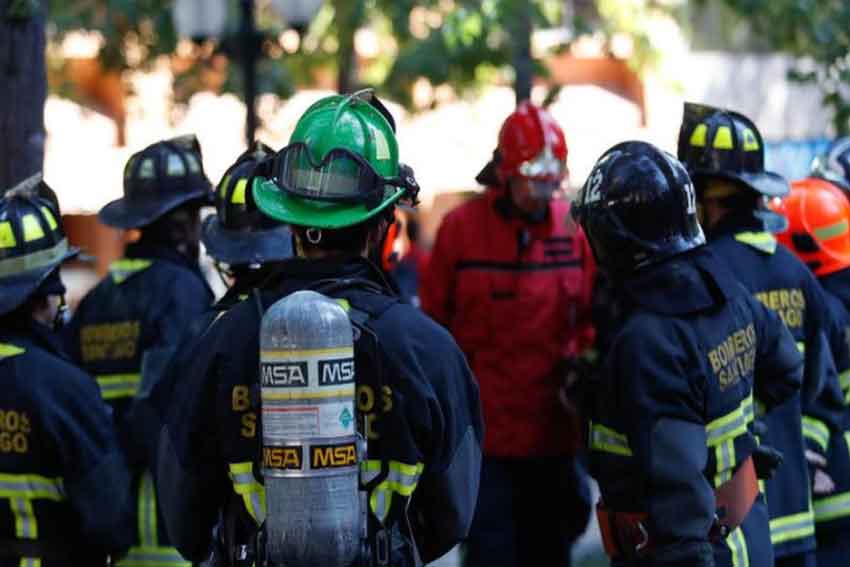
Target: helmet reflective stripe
(32, 228)
(7, 237)
(42, 258)
(238, 196)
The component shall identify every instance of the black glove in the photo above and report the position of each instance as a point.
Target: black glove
(766, 460)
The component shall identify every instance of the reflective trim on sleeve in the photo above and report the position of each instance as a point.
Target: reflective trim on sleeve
(795, 526)
(817, 431)
(402, 479)
(8, 350)
(607, 440)
(153, 557)
(738, 546)
(252, 492)
(30, 562)
(31, 487)
(731, 425)
(837, 506)
(114, 386)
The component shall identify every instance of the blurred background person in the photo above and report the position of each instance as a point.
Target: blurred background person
(510, 276)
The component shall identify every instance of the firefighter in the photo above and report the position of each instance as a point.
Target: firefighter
(818, 232)
(669, 436)
(64, 484)
(510, 277)
(724, 154)
(336, 184)
(126, 328)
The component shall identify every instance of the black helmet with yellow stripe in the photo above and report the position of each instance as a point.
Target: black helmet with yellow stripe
(239, 234)
(32, 242)
(725, 144)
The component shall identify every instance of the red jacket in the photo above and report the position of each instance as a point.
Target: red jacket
(516, 297)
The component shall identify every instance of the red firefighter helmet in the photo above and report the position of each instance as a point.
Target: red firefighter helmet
(818, 231)
(532, 145)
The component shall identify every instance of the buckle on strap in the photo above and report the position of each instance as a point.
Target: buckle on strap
(623, 533)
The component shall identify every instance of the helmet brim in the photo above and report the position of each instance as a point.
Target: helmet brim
(15, 290)
(126, 213)
(767, 183)
(283, 207)
(248, 247)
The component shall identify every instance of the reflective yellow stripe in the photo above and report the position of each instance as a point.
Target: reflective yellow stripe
(25, 525)
(42, 258)
(831, 230)
(31, 487)
(699, 135)
(146, 556)
(252, 492)
(833, 507)
(723, 139)
(31, 228)
(114, 386)
(238, 196)
(738, 546)
(607, 440)
(817, 431)
(30, 562)
(844, 380)
(763, 241)
(122, 269)
(48, 216)
(795, 526)
(731, 425)
(7, 350)
(402, 479)
(725, 461)
(751, 144)
(147, 511)
(335, 393)
(286, 354)
(7, 237)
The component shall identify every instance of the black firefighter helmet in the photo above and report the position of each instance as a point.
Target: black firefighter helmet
(721, 143)
(32, 242)
(157, 180)
(239, 234)
(637, 208)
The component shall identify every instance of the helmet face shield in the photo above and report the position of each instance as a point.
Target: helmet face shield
(545, 165)
(342, 176)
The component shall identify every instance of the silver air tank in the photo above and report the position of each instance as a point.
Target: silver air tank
(309, 437)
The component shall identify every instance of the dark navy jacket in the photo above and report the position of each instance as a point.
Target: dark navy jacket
(123, 333)
(675, 401)
(425, 417)
(785, 285)
(63, 480)
(832, 512)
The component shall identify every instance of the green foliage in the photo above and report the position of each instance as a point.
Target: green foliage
(818, 31)
(135, 32)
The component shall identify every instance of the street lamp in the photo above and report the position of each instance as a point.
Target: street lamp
(207, 19)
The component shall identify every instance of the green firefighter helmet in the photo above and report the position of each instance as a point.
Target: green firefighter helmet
(340, 168)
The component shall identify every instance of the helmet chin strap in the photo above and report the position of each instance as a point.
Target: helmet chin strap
(62, 316)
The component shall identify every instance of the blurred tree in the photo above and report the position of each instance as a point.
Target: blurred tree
(461, 44)
(818, 32)
(24, 79)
